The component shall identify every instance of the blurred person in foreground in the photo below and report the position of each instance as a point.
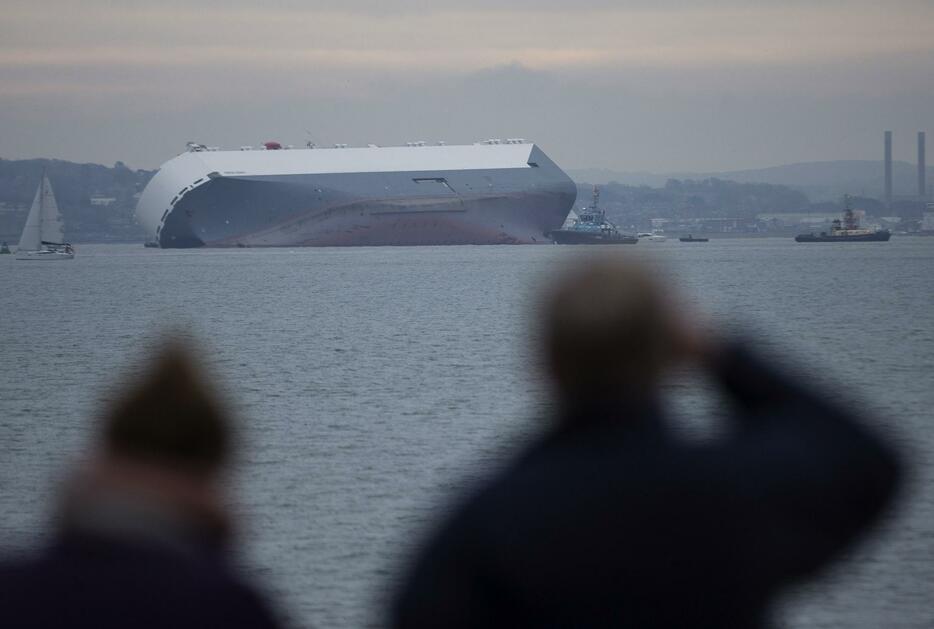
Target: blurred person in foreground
(610, 520)
(142, 531)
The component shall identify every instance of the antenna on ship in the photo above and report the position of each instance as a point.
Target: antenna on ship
(849, 219)
(596, 197)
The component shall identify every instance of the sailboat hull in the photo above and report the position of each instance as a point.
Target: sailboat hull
(44, 255)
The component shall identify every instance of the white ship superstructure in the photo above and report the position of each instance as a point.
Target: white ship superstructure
(486, 193)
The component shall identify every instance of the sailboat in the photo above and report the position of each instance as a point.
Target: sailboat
(42, 237)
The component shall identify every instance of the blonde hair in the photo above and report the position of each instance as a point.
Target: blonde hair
(607, 329)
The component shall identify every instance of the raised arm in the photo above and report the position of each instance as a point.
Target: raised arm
(815, 473)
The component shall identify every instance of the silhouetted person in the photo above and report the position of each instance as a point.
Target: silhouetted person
(610, 520)
(142, 532)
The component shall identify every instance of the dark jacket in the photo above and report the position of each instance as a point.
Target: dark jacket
(111, 582)
(611, 521)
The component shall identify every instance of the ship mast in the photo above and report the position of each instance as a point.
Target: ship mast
(849, 219)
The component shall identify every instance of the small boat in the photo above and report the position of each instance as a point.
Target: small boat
(847, 230)
(654, 236)
(691, 238)
(590, 228)
(151, 244)
(4, 248)
(42, 237)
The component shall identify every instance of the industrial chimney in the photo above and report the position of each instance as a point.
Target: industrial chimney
(922, 184)
(888, 168)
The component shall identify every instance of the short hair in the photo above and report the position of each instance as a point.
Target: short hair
(170, 415)
(606, 327)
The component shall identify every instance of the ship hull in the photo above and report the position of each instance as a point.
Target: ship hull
(880, 236)
(460, 202)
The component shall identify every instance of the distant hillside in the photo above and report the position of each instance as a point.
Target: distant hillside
(821, 181)
(97, 203)
(695, 199)
(717, 205)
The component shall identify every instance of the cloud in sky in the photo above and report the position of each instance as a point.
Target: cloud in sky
(648, 86)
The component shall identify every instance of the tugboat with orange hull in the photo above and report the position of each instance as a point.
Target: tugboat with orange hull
(847, 230)
(591, 228)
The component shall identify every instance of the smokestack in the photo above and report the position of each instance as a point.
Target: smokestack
(888, 168)
(922, 185)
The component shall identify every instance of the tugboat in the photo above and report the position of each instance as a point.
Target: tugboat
(691, 238)
(847, 230)
(591, 228)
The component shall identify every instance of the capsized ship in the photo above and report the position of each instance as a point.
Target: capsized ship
(492, 192)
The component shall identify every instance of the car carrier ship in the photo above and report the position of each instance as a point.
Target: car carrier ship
(491, 192)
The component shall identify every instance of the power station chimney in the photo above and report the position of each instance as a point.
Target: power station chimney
(922, 185)
(888, 168)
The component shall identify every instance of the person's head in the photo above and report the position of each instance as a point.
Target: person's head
(160, 451)
(608, 330)
(170, 417)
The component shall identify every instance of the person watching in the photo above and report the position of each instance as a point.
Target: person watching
(142, 533)
(611, 519)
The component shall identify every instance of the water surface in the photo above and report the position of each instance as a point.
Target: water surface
(373, 382)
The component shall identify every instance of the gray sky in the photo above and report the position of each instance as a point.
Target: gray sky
(636, 86)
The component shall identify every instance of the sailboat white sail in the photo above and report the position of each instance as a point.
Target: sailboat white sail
(43, 237)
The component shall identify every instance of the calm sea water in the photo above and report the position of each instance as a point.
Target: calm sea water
(373, 382)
